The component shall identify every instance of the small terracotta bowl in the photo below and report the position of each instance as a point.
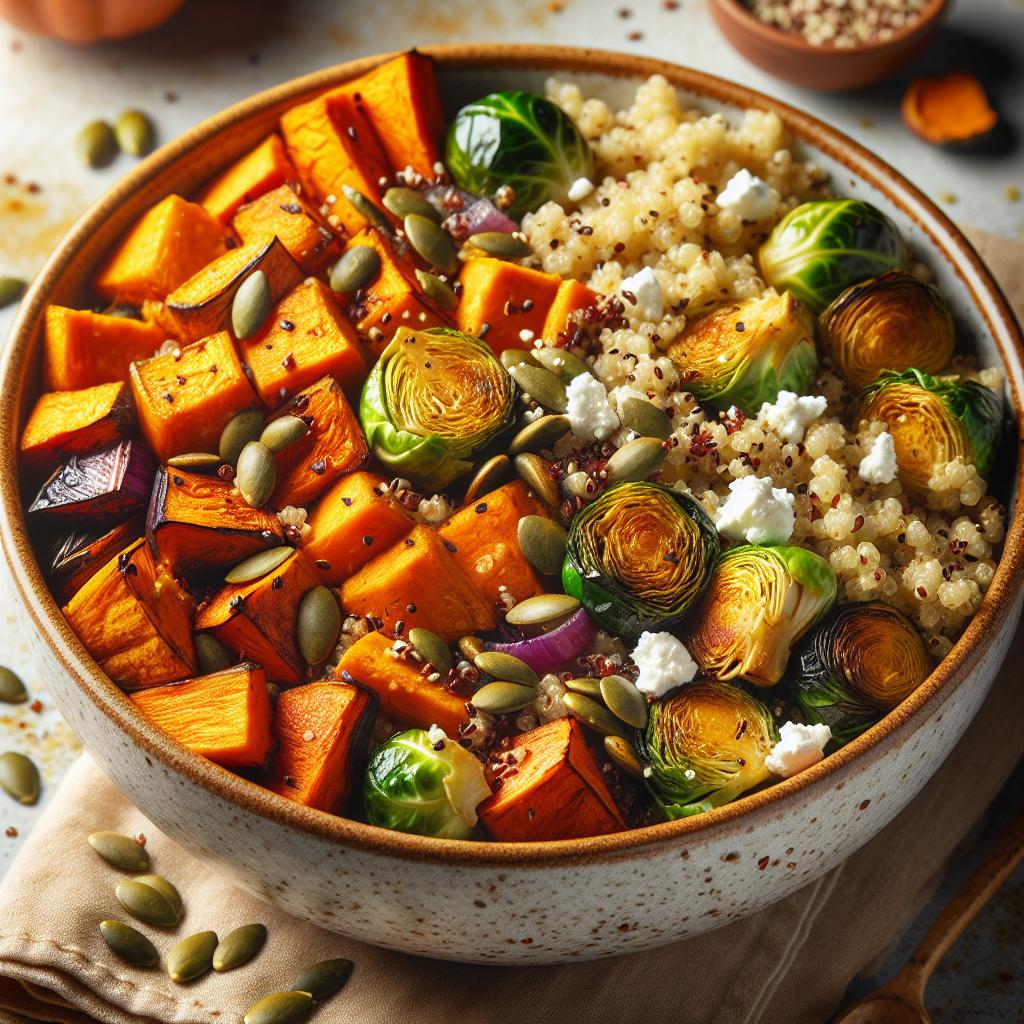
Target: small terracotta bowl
(825, 68)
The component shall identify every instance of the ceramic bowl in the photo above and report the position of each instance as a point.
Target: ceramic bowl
(494, 902)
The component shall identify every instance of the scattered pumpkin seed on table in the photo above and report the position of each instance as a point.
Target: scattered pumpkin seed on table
(250, 306)
(120, 851)
(431, 648)
(96, 144)
(506, 666)
(12, 689)
(501, 244)
(541, 609)
(280, 1008)
(542, 543)
(502, 697)
(211, 654)
(324, 979)
(134, 132)
(147, 904)
(165, 888)
(318, 624)
(356, 268)
(431, 242)
(239, 946)
(256, 474)
(256, 566)
(11, 289)
(129, 944)
(19, 777)
(403, 201)
(283, 432)
(242, 428)
(192, 957)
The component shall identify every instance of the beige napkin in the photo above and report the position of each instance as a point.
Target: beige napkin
(789, 964)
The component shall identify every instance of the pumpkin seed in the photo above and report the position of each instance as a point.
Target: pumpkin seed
(470, 647)
(403, 201)
(129, 944)
(194, 460)
(541, 433)
(561, 362)
(251, 305)
(506, 666)
(624, 700)
(256, 566)
(120, 851)
(192, 957)
(369, 211)
(493, 473)
(284, 432)
(96, 144)
(256, 474)
(431, 242)
(239, 947)
(645, 418)
(501, 244)
(280, 1008)
(19, 777)
(165, 888)
(439, 292)
(432, 649)
(242, 428)
(542, 543)
(146, 903)
(12, 689)
(541, 385)
(501, 697)
(134, 132)
(635, 460)
(533, 471)
(586, 685)
(541, 609)
(324, 979)
(513, 356)
(593, 714)
(318, 625)
(211, 654)
(622, 753)
(11, 289)
(355, 269)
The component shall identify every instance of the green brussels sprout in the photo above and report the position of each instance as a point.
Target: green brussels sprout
(746, 353)
(432, 400)
(639, 556)
(430, 787)
(520, 140)
(759, 603)
(823, 247)
(934, 420)
(858, 664)
(704, 746)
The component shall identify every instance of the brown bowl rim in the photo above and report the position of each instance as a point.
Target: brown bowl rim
(249, 796)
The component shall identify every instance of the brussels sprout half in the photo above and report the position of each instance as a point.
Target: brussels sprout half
(822, 247)
(639, 556)
(431, 401)
(520, 140)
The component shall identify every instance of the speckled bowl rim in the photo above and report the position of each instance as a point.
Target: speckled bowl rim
(251, 798)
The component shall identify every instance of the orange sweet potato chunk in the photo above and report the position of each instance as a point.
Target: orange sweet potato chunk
(571, 297)
(77, 556)
(166, 246)
(260, 170)
(224, 716)
(557, 791)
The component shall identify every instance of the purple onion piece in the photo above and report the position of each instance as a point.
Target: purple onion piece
(466, 214)
(553, 650)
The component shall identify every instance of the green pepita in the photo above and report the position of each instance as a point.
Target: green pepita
(194, 460)
(280, 1008)
(251, 305)
(211, 654)
(283, 432)
(146, 903)
(403, 201)
(119, 851)
(96, 144)
(432, 649)
(586, 685)
(258, 565)
(324, 979)
(506, 666)
(439, 292)
(470, 647)
(542, 543)
(19, 777)
(366, 209)
(355, 269)
(256, 474)
(593, 714)
(624, 700)
(129, 944)
(318, 625)
(239, 947)
(622, 753)
(541, 609)
(514, 356)
(541, 385)
(431, 242)
(541, 433)
(534, 472)
(635, 460)
(134, 132)
(12, 689)
(561, 362)
(11, 289)
(165, 889)
(501, 697)
(501, 244)
(242, 428)
(192, 957)
(645, 418)
(493, 473)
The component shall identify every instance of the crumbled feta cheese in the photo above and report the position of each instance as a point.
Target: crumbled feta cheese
(580, 189)
(790, 414)
(798, 748)
(575, 484)
(879, 465)
(664, 663)
(757, 512)
(591, 416)
(434, 510)
(292, 516)
(436, 734)
(526, 335)
(643, 287)
(749, 196)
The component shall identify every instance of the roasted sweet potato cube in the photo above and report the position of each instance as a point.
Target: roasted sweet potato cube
(224, 716)
(406, 696)
(334, 445)
(355, 520)
(83, 349)
(419, 582)
(307, 337)
(165, 247)
(256, 621)
(184, 398)
(260, 170)
(198, 523)
(135, 620)
(556, 792)
(75, 557)
(64, 423)
(322, 731)
(572, 296)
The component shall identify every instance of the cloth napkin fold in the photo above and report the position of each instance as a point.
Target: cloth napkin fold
(788, 964)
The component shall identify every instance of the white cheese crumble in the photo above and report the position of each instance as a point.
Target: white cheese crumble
(591, 416)
(798, 748)
(436, 734)
(749, 196)
(879, 465)
(664, 663)
(575, 484)
(644, 288)
(791, 414)
(757, 512)
(580, 189)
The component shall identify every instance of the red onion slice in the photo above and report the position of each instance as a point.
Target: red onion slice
(466, 214)
(552, 650)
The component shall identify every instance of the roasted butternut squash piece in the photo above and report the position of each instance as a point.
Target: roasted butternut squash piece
(307, 337)
(198, 523)
(201, 306)
(224, 716)
(571, 297)
(355, 520)
(334, 445)
(66, 423)
(418, 582)
(501, 300)
(485, 537)
(405, 694)
(166, 246)
(322, 731)
(77, 556)
(256, 620)
(260, 170)
(135, 620)
(557, 791)
(185, 398)
(83, 349)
